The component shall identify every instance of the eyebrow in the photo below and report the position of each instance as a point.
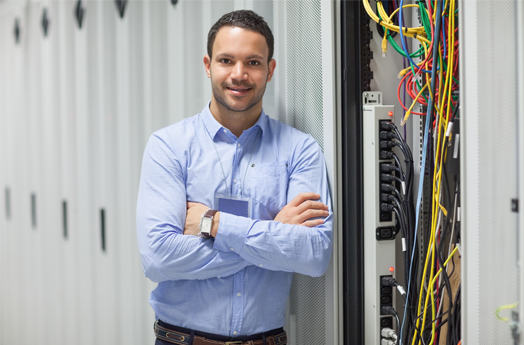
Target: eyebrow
(255, 57)
(226, 55)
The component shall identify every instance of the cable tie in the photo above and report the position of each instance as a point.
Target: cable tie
(450, 127)
(379, 21)
(403, 244)
(403, 184)
(405, 29)
(415, 35)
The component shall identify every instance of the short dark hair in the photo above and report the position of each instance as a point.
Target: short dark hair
(245, 19)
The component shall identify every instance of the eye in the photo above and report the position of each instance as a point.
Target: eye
(254, 63)
(226, 61)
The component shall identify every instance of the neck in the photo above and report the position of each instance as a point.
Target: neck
(236, 121)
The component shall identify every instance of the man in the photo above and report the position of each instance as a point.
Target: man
(226, 207)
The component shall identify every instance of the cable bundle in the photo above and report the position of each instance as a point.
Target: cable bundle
(433, 84)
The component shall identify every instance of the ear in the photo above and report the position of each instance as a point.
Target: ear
(272, 65)
(207, 65)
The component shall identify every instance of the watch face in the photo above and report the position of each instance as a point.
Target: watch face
(205, 225)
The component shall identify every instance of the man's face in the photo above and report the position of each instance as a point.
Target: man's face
(239, 69)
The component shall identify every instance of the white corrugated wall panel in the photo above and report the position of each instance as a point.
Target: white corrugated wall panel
(50, 195)
(106, 284)
(125, 223)
(490, 169)
(6, 128)
(32, 78)
(66, 28)
(77, 108)
(86, 221)
(137, 144)
(3, 170)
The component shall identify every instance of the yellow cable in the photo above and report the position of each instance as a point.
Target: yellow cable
(443, 113)
(428, 82)
(435, 202)
(443, 210)
(451, 54)
(385, 43)
(445, 264)
(504, 307)
(421, 291)
(443, 123)
(410, 32)
(412, 105)
(437, 185)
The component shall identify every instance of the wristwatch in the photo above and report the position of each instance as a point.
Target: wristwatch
(206, 223)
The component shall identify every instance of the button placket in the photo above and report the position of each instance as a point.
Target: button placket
(238, 303)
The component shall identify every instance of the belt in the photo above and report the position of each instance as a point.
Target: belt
(182, 338)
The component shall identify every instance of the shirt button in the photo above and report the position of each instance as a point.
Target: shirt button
(235, 180)
(225, 130)
(232, 249)
(260, 265)
(239, 294)
(235, 333)
(239, 145)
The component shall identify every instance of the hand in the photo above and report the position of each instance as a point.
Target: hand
(194, 213)
(301, 209)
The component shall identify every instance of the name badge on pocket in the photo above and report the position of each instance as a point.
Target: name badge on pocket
(236, 205)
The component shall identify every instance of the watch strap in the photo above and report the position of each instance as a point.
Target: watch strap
(206, 233)
(210, 213)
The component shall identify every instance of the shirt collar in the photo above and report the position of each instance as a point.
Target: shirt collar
(213, 126)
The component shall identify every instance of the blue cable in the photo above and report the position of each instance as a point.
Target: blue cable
(444, 35)
(424, 152)
(402, 40)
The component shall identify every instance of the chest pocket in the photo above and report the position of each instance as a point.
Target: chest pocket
(268, 184)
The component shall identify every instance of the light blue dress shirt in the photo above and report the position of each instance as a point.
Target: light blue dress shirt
(237, 283)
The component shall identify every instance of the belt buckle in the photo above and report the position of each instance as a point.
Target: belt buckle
(234, 342)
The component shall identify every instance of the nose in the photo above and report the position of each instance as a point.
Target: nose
(238, 71)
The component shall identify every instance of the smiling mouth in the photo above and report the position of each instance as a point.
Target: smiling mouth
(239, 89)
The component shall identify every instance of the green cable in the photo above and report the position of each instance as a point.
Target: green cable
(427, 28)
(425, 20)
(394, 44)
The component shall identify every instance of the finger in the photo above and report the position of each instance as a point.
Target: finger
(310, 204)
(313, 223)
(303, 197)
(309, 214)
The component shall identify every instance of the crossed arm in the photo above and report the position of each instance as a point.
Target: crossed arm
(302, 210)
(297, 240)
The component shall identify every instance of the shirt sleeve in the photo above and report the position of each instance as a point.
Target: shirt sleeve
(166, 253)
(283, 247)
